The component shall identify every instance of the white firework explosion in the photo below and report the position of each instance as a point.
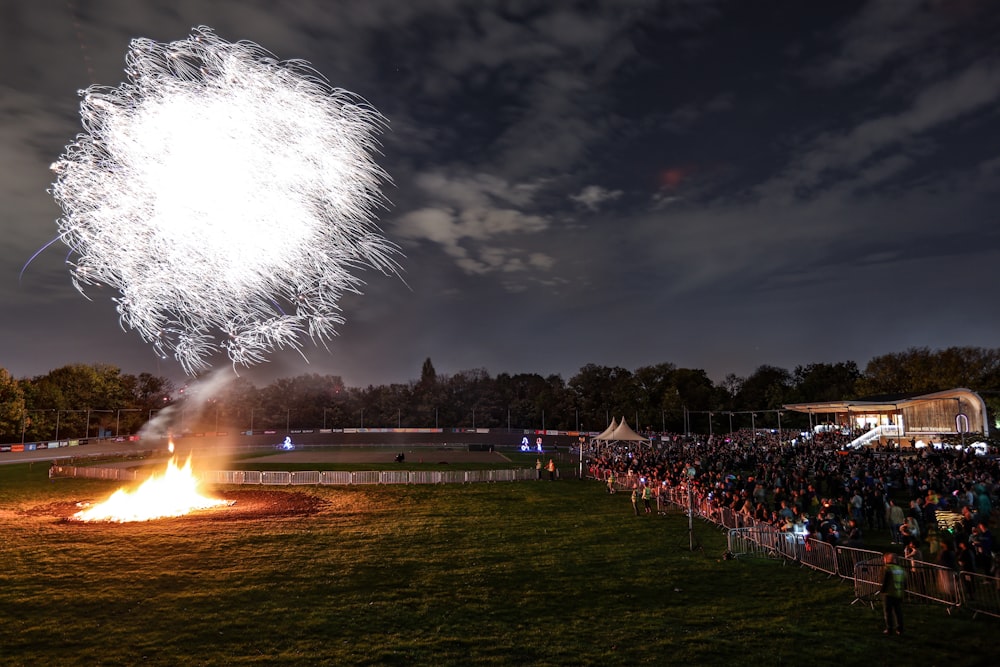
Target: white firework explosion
(226, 195)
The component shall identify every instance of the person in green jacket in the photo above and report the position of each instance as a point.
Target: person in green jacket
(893, 588)
(647, 497)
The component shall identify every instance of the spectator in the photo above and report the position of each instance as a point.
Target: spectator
(982, 548)
(909, 530)
(895, 517)
(893, 588)
(854, 537)
(912, 551)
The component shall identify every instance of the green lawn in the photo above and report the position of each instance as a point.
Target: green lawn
(530, 573)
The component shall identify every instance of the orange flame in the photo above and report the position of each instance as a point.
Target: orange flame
(173, 494)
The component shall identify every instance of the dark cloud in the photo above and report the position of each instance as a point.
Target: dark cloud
(715, 184)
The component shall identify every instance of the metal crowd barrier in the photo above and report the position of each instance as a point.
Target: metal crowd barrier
(753, 541)
(932, 583)
(280, 477)
(928, 582)
(849, 557)
(394, 477)
(366, 477)
(230, 476)
(820, 555)
(425, 477)
(453, 477)
(981, 594)
(868, 580)
(305, 477)
(118, 474)
(335, 477)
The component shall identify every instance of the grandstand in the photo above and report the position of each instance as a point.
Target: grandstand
(915, 420)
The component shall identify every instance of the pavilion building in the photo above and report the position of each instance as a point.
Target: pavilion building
(907, 419)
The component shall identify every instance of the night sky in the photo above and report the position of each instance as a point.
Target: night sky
(718, 185)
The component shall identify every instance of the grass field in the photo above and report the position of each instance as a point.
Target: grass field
(530, 573)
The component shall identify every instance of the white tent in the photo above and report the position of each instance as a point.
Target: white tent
(607, 432)
(616, 432)
(619, 432)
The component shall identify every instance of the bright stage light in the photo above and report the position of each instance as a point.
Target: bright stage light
(227, 196)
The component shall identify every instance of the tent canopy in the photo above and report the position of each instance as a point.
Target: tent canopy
(619, 432)
(608, 431)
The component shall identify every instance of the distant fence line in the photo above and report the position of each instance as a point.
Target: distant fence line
(526, 437)
(311, 477)
(862, 568)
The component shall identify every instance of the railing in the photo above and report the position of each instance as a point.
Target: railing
(981, 594)
(315, 478)
(866, 438)
(863, 568)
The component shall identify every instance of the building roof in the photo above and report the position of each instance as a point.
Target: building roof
(886, 402)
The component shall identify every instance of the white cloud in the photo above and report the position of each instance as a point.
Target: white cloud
(593, 196)
(468, 218)
(842, 155)
(881, 31)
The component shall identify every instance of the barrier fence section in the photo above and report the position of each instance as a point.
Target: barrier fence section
(849, 557)
(932, 583)
(868, 580)
(754, 541)
(117, 474)
(981, 594)
(335, 477)
(305, 477)
(819, 555)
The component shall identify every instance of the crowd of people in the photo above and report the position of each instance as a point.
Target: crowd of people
(935, 505)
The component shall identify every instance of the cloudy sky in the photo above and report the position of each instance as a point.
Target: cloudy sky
(714, 184)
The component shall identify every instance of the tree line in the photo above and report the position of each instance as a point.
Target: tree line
(81, 400)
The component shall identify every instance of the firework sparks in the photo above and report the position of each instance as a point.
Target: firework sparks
(227, 196)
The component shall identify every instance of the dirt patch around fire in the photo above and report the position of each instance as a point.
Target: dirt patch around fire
(244, 505)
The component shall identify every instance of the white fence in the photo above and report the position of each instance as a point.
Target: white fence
(314, 477)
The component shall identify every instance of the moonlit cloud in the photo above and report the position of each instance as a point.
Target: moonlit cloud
(474, 220)
(593, 196)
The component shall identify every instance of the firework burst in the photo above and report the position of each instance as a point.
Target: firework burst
(229, 197)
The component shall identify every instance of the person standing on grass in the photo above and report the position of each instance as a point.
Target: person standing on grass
(551, 467)
(538, 467)
(611, 482)
(893, 587)
(647, 497)
(982, 548)
(635, 500)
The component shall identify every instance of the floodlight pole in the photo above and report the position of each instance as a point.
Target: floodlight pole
(691, 472)
(690, 518)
